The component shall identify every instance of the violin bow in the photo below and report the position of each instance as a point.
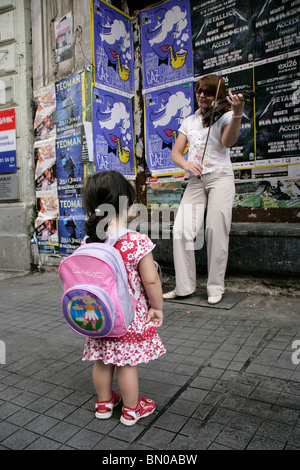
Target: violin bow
(211, 119)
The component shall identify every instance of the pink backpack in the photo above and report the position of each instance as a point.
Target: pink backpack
(96, 300)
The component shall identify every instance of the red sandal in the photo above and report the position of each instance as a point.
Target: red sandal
(104, 409)
(130, 416)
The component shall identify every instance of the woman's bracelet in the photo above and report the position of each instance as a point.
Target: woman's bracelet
(237, 117)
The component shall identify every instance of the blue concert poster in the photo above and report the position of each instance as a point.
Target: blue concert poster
(113, 132)
(70, 224)
(113, 48)
(166, 43)
(165, 109)
(69, 169)
(69, 114)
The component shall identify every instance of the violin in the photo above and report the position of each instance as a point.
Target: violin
(220, 107)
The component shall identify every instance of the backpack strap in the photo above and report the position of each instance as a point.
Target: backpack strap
(112, 240)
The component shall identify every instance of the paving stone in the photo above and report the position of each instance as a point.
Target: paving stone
(260, 442)
(20, 440)
(42, 443)
(227, 381)
(41, 424)
(6, 429)
(171, 422)
(84, 440)
(157, 438)
(234, 438)
(62, 432)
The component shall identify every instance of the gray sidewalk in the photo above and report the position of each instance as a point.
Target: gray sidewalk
(230, 378)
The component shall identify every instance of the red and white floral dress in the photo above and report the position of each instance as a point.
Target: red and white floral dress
(141, 343)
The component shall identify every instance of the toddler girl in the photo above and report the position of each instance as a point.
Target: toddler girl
(141, 343)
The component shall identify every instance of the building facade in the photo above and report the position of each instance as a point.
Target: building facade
(44, 43)
(17, 196)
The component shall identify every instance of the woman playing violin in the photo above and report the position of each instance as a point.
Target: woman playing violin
(210, 187)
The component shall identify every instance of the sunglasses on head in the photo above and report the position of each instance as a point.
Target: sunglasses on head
(207, 93)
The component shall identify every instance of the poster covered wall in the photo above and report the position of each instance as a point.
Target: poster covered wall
(113, 132)
(113, 48)
(45, 165)
(167, 57)
(44, 105)
(165, 110)
(69, 103)
(276, 26)
(61, 111)
(278, 112)
(222, 34)
(70, 170)
(167, 53)
(240, 80)
(46, 196)
(253, 45)
(70, 224)
(268, 192)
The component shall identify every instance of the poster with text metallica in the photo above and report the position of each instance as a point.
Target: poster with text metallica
(113, 132)
(113, 48)
(166, 43)
(222, 34)
(165, 109)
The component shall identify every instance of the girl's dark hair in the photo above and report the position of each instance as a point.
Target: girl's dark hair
(104, 188)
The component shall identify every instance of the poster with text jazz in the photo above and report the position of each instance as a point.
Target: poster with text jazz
(70, 170)
(166, 43)
(113, 133)
(278, 112)
(113, 48)
(164, 112)
(276, 27)
(69, 104)
(222, 35)
(70, 224)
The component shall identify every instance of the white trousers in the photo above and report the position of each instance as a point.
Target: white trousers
(215, 192)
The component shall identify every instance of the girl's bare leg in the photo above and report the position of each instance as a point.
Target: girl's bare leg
(103, 377)
(129, 385)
